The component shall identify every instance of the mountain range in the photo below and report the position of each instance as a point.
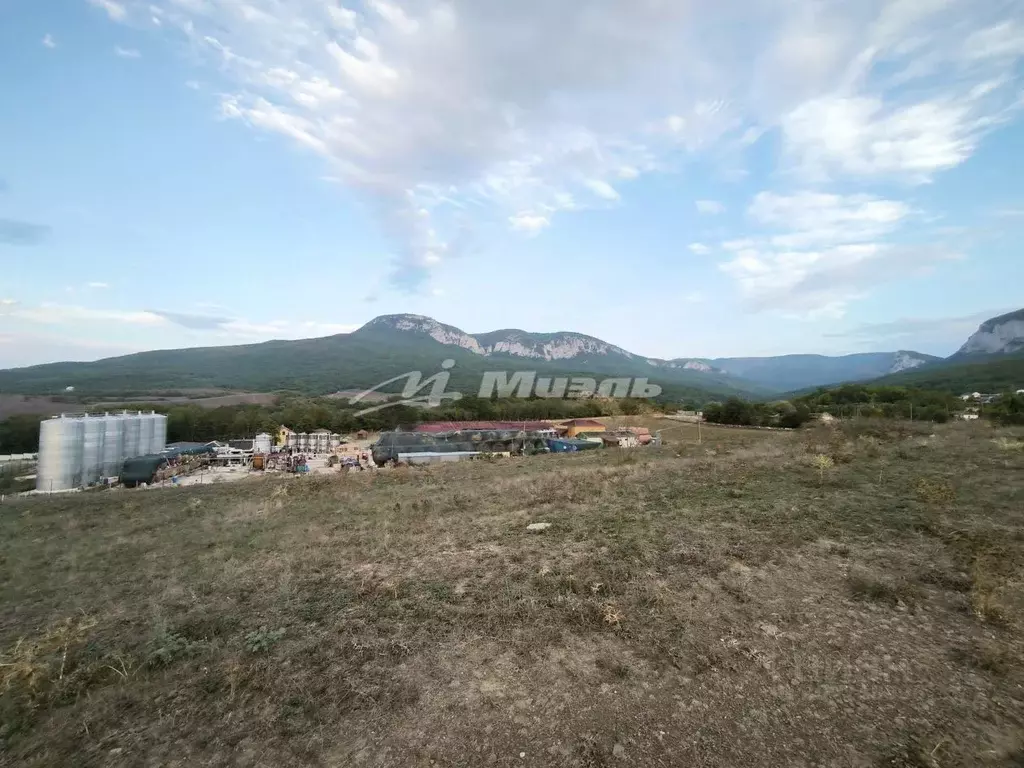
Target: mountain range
(391, 345)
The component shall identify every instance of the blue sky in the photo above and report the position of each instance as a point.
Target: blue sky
(677, 179)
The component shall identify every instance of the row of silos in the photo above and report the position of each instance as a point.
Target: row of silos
(75, 451)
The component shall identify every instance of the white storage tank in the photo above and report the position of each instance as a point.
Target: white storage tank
(132, 435)
(93, 433)
(60, 454)
(75, 451)
(113, 444)
(262, 443)
(159, 433)
(146, 431)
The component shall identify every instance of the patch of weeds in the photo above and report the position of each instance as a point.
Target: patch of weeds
(1008, 444)
(987, 658)
(911, 755)
(167, 647)
(947, 580)
(590, 753)
(263, 639)
(30, 664)
(735, 591)
(876, 590)
(870, 446)
(907, 451)
(439, 591)
(836, 548)
(315, 485)
(460, 501)
(935, 491)
(985, 602)
(840, 450)
(614, 668)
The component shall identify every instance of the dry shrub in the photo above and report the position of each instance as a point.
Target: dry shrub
(869, 445)
(823, 464)
(865, 586)
(611, 615)
(1008, 444)
(817, 438)
(985, 601)
(840, 449)
(935, 491)
(31, 663)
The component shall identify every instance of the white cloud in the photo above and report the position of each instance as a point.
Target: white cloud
(699, 248)
(741, 244)
(710, 207)
(815, 218)
(694, 297)
(98, 285)
(478, 109)
(531, 223)
(821, 251)
(342, 18)
(48, 41)
(54, 314)
(602, 189)
(127, 53)
(115, 11)
(51, 314)
(1004, 40)
(861, 136)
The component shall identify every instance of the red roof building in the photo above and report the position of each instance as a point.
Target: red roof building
(456, 426)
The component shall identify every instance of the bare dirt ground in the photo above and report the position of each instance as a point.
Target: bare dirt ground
(822, 598)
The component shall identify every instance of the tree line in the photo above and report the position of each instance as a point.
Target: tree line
(863, 401)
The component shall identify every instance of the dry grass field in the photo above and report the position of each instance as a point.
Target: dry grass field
(848, 597)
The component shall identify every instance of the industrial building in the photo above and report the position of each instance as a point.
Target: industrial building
(78, 450)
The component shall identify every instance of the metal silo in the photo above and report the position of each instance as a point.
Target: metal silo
(146, 424)
(93, 434)
(60, 454)
(113, 444)
(132, 433)
(48, 476)
(159, 433)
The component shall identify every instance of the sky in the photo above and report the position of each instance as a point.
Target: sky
(678, 178)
